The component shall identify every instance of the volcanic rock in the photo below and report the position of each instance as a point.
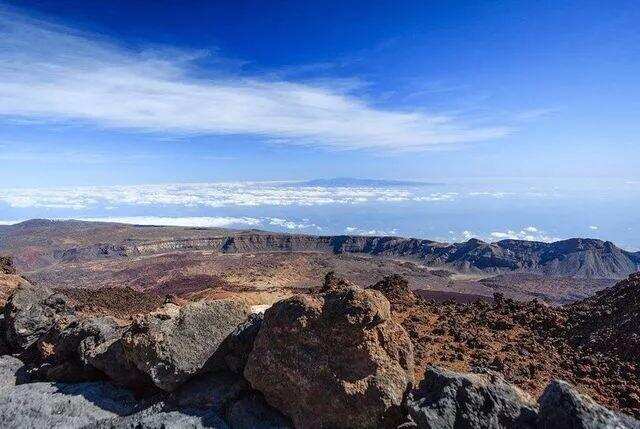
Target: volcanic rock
(238, 345)
(31, 312)
(332, 360)
(12, 372)
(450, 400)
(6, 265)
(253, 412)
(66, 348)
(109, 357)
(161, 415)
(58, 405)
(212, 390)
(563, 407)
(174, 344)
(334, 282)
(396, 289)
(609, 322)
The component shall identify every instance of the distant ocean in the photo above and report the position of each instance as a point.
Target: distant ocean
(452, 210)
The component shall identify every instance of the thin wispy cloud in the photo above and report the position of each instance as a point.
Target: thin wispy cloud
(53, 73)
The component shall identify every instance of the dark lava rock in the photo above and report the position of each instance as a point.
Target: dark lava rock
(31, 312)
(6, 265)
(396, 289)
(253, 412)
(66, 348)
(109, 357)
(450, 400)
(335, 359)
(333, 282)
(236, 348)
(563, 407)
(212, 390)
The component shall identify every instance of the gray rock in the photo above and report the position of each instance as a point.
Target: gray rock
(253, 412)
(30, 312)
(174, 344)
(109, 357)
(238, 345)
(162, 416)
(57, 405)
(335, 359)
(12, 372)
(67, 346)
(4, 347)
(450, 400)
(561, 407)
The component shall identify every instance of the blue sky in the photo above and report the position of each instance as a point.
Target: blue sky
(129, 92)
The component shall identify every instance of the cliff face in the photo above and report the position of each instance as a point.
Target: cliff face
(584, 258)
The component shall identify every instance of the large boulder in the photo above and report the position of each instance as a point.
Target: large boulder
(561, 406)
(66, 347)
(58, 405)
(176, 343)
(451, 400)
(334, 359)
(30, 312)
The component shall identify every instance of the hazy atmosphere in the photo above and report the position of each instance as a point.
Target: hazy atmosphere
(522, 125)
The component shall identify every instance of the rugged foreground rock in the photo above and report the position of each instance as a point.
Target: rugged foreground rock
(335, 358)
(174, 344)
(448, 400)
(30, 313)
(332, 360)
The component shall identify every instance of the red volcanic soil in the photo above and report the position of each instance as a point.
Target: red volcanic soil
(117, 302)
(444, 296)
(592, 344)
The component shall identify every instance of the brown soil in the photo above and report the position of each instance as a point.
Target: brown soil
(121, 303)
(532, 343)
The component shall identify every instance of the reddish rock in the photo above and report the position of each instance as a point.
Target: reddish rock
(336, 359)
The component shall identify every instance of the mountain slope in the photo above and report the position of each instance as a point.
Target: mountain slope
(38, 243)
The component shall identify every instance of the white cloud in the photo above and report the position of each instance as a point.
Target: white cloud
(353, 230)
(284, 223)
(206, 221)
(9, 222)
(53, 73)
(530, 233)
(437, 196)
(197, 194)
(593, 228)
(467, 235)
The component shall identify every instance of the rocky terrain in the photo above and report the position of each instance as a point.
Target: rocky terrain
(187, 261)
(334, 355)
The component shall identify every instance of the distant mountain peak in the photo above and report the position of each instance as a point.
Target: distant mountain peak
(353, 181)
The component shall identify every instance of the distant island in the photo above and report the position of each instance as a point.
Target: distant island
(338, 182)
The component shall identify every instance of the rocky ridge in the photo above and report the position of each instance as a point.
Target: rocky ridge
(577, 257)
